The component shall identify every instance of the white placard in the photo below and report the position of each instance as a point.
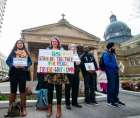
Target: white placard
(76, 58)
(89, 66)
(20, 62)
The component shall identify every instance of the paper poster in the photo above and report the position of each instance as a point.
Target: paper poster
(20, 62)
(55, 61)
(89, 66)
(76, 58)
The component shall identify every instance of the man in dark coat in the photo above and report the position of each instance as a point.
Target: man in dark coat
(73, 85)
(89, 75)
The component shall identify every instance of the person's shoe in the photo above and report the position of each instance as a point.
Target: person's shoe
(121, 103)
(58, 111)
(77, 105)
(49, 111)
(87, 101)
(94, 102)
(68, 107)
(23, 113)
(114, 104)
(108, 103)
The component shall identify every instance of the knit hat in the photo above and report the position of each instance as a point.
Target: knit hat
(110, 45)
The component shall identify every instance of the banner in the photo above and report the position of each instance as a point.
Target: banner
(55, 61)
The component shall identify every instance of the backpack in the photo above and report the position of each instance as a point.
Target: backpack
(15, 110)
(101, 63)
(42, 99)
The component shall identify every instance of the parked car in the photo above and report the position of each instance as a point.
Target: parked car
(4, 79)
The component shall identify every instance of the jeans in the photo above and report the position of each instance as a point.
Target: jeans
(113, 87)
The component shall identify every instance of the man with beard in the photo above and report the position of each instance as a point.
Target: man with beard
(112, 72)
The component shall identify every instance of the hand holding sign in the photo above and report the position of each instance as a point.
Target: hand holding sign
(55, 61)
(19, 62)
(76, 59)
(90, 66)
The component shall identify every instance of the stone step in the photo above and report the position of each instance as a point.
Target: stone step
(31, 103)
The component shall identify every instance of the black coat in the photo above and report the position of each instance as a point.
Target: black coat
(42, 84)
(76, 72)
(87, 58)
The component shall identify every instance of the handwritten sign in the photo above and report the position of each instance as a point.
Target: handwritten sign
(89, 66)
(55, 61)
(76, 58)
(20, 62)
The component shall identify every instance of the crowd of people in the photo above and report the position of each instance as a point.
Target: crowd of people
(18, 75)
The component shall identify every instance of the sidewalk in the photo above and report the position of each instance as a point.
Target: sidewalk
(131, 110)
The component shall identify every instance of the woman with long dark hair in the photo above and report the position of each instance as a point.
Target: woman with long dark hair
(18, 75)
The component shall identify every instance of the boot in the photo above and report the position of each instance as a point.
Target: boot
(49, 110)
(12, 99)
(59, 113)
(23, 104)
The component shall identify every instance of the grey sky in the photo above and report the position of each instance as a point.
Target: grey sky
(89, 15)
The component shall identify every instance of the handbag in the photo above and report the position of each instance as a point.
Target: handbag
(29, 88)
(15, 110)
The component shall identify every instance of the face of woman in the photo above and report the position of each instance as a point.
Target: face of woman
(73, 48)
(19, 45)
(55, 43)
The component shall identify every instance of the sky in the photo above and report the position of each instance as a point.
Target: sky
(89, 15)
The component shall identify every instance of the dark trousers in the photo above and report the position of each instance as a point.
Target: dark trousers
(113, 87)
(17, 79)
(90, 83)
(58, 88)
(72, 89)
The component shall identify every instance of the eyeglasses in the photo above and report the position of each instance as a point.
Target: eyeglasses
(54, 42)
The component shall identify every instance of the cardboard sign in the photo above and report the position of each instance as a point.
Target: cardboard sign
(89, 66)
(20, 62)
(76, 58)
(55, 61)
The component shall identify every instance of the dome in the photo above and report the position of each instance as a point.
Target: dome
(117, 31)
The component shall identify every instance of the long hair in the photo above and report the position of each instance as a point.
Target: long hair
(58, 41)
(15, 48)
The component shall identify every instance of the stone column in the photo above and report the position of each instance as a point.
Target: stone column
(26, 45)
(32, 67)
(95, 52)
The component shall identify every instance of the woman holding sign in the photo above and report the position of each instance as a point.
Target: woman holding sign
(18, 61)
(55, 80)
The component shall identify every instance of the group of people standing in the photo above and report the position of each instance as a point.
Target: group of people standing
(55, 80)
(19, 74)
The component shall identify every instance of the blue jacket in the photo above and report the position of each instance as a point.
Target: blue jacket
(110, 62)
(13, 70)
(9, 61)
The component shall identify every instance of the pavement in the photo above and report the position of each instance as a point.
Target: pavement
(102, 110)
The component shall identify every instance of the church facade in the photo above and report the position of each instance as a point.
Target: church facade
(130, 50)
(39, 38)
(127, 47)
(117, 31)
